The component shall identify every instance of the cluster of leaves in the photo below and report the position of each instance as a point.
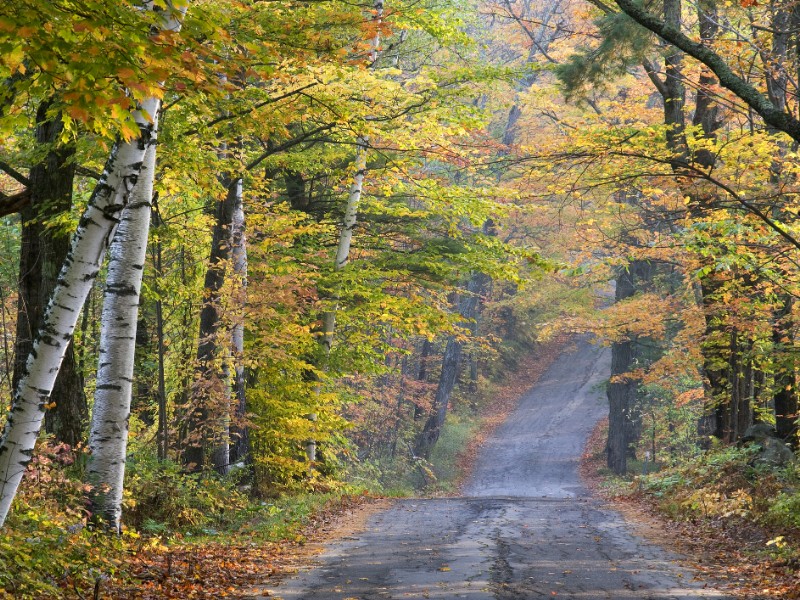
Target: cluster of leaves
(161, 497)
(46, 550)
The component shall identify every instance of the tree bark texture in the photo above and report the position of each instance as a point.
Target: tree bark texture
(89, 244)
(108, 434)
(42, 252)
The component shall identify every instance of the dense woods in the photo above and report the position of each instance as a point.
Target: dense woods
(254, 250)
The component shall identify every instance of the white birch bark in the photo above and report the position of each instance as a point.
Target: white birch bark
(348, 224)
(346, 234)
(89, 244)
(108, 434)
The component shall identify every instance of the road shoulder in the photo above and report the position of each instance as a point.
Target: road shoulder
(728, 558)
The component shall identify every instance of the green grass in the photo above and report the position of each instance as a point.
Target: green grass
(455, 435)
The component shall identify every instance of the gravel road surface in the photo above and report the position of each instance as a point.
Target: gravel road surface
(524, 528)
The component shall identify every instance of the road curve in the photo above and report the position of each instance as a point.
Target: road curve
(525, 527)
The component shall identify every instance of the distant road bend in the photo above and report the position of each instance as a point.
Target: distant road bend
(525, 528)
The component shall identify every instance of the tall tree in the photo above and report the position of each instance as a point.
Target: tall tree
(350, 218)
(44, 247)
(451, 363)
(211, 393)
(108, 434)
(89, 243)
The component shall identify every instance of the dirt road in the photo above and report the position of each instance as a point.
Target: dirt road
(524, 528)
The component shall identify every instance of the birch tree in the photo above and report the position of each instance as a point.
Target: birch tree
(239, 443)
(108, 435)
(349, 221)
(95, 231)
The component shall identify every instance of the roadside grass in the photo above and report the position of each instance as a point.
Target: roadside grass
(446, 455)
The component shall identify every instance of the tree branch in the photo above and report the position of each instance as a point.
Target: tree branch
(255, 107)
(14, 174)
(776, 118)
(286, 145)
(15, 203)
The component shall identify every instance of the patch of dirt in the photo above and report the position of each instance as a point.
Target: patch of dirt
(730, 551)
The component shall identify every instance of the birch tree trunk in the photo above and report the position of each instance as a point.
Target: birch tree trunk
(341, 260)
(240, 438)
(89, 244)
(91, 240)
(108, 435)
(348, 224)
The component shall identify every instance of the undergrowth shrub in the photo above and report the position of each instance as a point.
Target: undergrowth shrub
(160, 496)
(45, 549)
(726, 483)
(48, 555)
(785, 510)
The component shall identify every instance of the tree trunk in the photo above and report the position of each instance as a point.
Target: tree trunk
(203, 436)
(240, 437)
(422, 374)
(621, 390)
(785, 398)
(621, 394)
(713, 348)
(89, 244)
(468, 306)
(42, 252)
(348, 224)
(108, 435)
(433, 426)
(75, 281)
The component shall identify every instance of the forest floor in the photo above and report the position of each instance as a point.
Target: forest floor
(732, 551)
(523, 527)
